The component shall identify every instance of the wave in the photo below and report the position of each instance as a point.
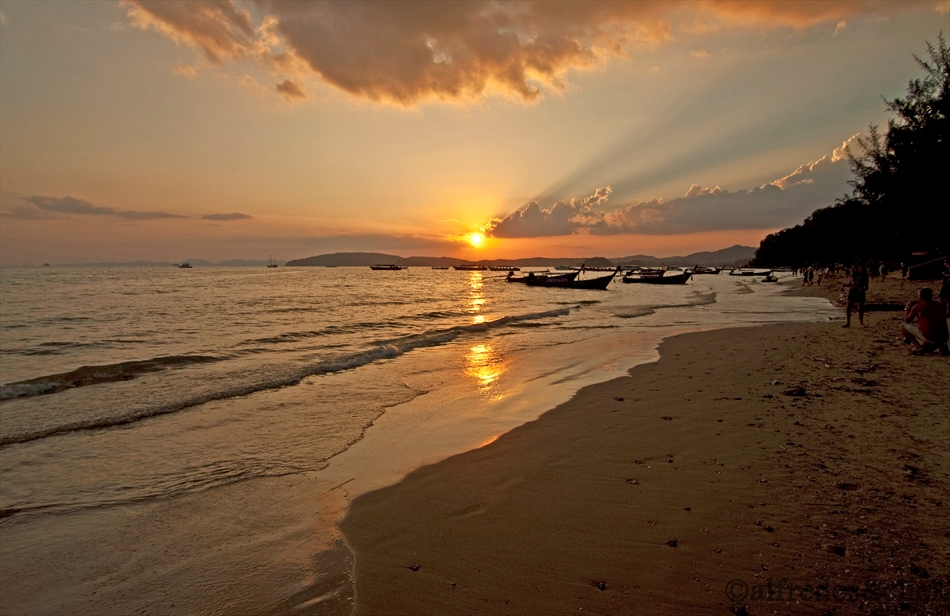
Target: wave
(60, 348)
(387, 350)
(699, 299)
(93, 375)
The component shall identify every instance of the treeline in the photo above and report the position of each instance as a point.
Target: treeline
(900, 202)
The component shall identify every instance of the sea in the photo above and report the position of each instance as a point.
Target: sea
(186, 440)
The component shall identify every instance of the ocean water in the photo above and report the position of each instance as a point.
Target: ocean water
(176, 440)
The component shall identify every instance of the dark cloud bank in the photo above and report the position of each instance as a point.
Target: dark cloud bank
(41, 208)
(781, 203)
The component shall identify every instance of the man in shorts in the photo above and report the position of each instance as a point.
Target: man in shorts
(857, 295)
(930, 332)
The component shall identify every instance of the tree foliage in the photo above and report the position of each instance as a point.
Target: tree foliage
(899, 203)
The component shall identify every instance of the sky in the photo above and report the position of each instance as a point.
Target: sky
(220, 129)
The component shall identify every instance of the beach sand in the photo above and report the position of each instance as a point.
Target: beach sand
(807, 453)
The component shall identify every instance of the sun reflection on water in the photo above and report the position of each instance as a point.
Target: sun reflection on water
(476, 299)
(485, 365)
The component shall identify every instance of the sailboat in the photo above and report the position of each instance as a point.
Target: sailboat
(271, 262)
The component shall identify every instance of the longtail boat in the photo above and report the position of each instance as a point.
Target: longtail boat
(658, 277)
(471, 268)
(600, 283)
(542, 275)
(742, 271)
(386, 267)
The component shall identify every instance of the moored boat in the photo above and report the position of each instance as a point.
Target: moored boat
(563, 282)
(442, 267)
(387, 267)
(748, 271)
(538, 275)
(504, 268)
(185, 266)
(471, 268)
(654, 277)
(699, 269)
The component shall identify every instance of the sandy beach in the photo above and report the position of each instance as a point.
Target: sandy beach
(791, 469)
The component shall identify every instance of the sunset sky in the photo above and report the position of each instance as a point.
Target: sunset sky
(163, 130)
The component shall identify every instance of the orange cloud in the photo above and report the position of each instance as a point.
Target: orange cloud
(406, 53)
(186, 70)
(290, 90)
(214, 26)
(803, 14)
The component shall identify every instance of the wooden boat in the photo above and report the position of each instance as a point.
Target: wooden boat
(600, 283)
(748, 271)
(271, 262)
(504, 268)
(445, 267)
(532, 275)
(185, 266)
(471, 268)
(699, 269)
(386, 267)
(652, 277)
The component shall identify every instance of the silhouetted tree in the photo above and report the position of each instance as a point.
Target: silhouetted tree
(900, 202)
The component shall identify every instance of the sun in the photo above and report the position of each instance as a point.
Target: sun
(475, 239)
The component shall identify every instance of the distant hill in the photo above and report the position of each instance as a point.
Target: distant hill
(373, 258)
(734, 255)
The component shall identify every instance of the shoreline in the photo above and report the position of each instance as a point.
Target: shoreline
(710, 477)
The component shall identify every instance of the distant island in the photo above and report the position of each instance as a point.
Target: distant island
(732, 256)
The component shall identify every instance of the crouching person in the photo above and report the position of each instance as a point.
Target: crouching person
(925, 324)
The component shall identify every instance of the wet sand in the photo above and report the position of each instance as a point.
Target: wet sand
(807, 453)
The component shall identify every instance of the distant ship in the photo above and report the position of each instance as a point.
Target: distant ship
(271, 262)
(386, 267)
(471, 268)
(185, 266)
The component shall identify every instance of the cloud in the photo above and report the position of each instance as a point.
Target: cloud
(186, 70)
(251, 84)
(290, 91)
(234, 216)
(214, 26)
(74, 205)
(564, 218)
(28, 212)
(783, 202)
(404, 54)
(699, 54)
(841, 26)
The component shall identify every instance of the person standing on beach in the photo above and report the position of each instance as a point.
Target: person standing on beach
(930, 332)
(857, 295)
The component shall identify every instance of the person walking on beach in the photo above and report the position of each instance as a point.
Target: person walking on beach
(930, 332)
(857, 295)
